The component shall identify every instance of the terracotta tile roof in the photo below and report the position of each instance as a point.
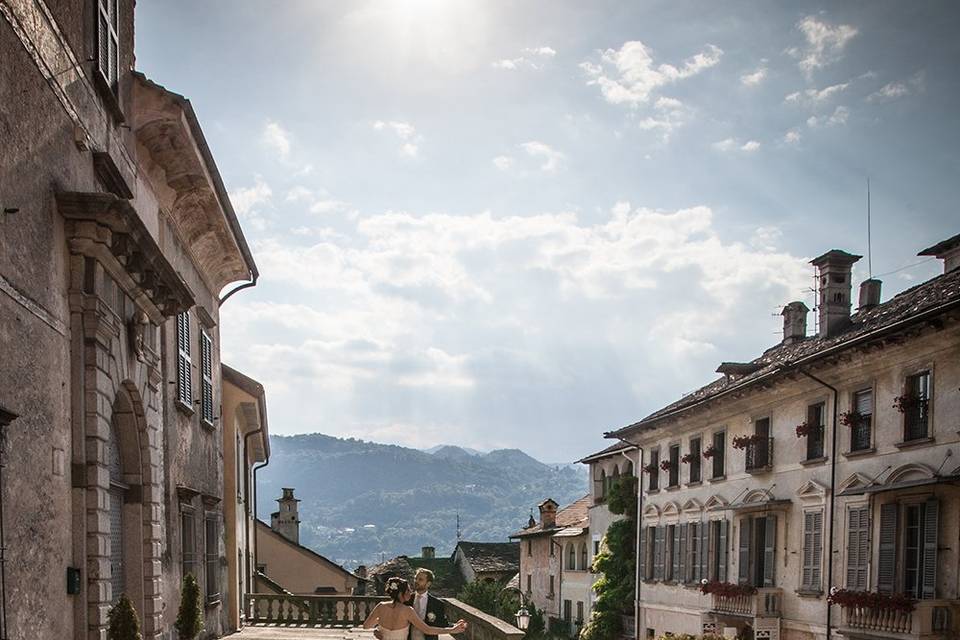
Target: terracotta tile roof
(573, 515)
(614, 448)
(924, 301)
(491, 556)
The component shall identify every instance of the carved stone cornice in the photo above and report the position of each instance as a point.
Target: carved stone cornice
(107, 228)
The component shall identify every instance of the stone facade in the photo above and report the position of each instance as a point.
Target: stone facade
(119, 223)
(839, 445)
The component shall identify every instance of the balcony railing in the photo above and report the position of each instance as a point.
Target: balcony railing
(350, 611)
(760, 454)
(765, 602)
(929, 617)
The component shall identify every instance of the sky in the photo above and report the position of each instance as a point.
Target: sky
(522, 224)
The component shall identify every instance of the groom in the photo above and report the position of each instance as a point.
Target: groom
(428, 608)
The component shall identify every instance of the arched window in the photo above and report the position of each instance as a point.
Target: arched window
(603, 483)
(571, 556)
(118, 490)
(583, 557)
(628, 470)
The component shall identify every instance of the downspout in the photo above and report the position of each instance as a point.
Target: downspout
(637, 469)
(560, 587)
(245, 285)
(246, 497)
(255, 516)
(5, 418)
(833, 497)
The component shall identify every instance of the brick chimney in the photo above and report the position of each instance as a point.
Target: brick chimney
(869, 294)
(548, 513)
(286, 521)
(948, 251)
(794, 322)
(833, 276)
(361, 571)
(428, 553)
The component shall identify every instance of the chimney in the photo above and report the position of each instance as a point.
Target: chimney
(794, 322)
(286, 521)
(428, 553)
(833, 277)
(361, 571)
(869, 294)
(948, 251)
(548, 513)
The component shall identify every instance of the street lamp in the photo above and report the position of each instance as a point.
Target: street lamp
(522, 616)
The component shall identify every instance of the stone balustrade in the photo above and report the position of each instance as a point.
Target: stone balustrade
(765, 602)
(480, 626)
(929, 618)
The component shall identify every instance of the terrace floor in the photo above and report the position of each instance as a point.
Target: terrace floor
(307, 633)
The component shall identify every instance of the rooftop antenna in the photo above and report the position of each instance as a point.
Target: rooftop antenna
(869, 242)
(458, 526)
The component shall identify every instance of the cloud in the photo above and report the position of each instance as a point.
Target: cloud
(276, 138)
(503, 162)
(895, 90)
(298, 193)
(792, 137)
(814, 97)
(530, 58)
(552, 159)
(837, 118)
(629, 76)
(730, 144)
(754, 78)
(406, 132)
(247, 202)
(824, 43)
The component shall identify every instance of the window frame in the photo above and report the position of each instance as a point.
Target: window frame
(697, 460)
(864, 550)
(812, 584)
(107, 73)
(653, 479)
(188, 559)
(211, 558)
(184, 344)
(906, 388)
(811, 452)
(673, 476)
(722, 432)
(854, 406)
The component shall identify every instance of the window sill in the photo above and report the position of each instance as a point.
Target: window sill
(717, 478)
(859, 452)
(657, 490)
(209, 426)
(917, 442)
(673, 487)
(804, 593)
(183, 408)
(695, 483)
(759, 470)
(813, 461)
(213, 601)
(110, 100)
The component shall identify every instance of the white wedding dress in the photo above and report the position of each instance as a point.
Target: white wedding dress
(395, 634)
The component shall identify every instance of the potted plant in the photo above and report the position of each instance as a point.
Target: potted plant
(649, 468)
(742, 442)
(666, 465)
(709, 452)
(726, 589)
(905, 402)
(687, 458)
(851, 418)
(122, 622)
(190, 617)
(872, 600)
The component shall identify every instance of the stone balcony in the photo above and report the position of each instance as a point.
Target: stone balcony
(282, 617)
(931, 619)
(765, 602)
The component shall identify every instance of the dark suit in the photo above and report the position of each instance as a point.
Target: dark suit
(436, 607)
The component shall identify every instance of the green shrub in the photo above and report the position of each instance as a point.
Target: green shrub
(190, 616)
(122, 621)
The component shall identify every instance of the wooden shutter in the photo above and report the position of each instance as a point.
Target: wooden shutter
(642, 559)
(743, 557)
(812, 549)
(858, 548)
(206, 370)
(769, 550)
(676, 554)
(722, 551)
(704, 550)
(887, 560)
(658, 554)
(931, 522)
(807, 557)
(184, 371)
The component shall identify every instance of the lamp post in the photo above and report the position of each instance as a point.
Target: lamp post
(522, 616)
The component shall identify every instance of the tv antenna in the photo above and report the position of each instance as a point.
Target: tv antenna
(869, 241)
(458, 526)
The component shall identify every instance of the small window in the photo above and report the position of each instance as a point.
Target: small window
(529, 547)
(188, 541)
(571, 557)
(674, 474)
(529, 582)
(915, 404)
(184, 364)
(212, 556)
(815, 430)
(860, 420)
(717, 459)
(654, 482)
(551, 586)
(108, 42)
(695, 459)
(584, 558)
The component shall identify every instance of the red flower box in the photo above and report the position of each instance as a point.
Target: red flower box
(649, 468)
(804, 429)
(874, 601)
(687, 458)
(851, 419)
(742, 442)
(905, 402)
(726, 589)
(666, 466)
(709, 452)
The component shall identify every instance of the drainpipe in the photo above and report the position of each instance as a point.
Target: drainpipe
(560, 587)
(5, 418)
(245, 285)
(255, 517)
(833, 497)
(637, 469)
(246, 496)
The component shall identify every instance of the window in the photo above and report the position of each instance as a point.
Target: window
(654, 483)
(658, 552)
(584, 558)
(551, 592)
(602, 492)
(695, 460)
(529, 580)
(672, 560)
(916, 414)
(858, 547)
(567, 611)
(648, 538)
(108, 39)
(717, 555)
(212, 557)
(529, 547)
(756, 559)
(719, 454)
(812, 550)
(551, 543)
(571, 557)
(760, 451)
(673, 478)
(916, 543)
(188, 541)
(579, 614)
(815, 435)
(206, 371)
(861, 428)
(184, 365)
(596, 548)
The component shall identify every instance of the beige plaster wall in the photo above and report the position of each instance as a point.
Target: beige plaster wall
(297, 570)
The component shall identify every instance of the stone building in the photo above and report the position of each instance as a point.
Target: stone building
(285, 563)
(246, 445)
(117, 240)
(486, 561)
(838, 445)
(545, 549)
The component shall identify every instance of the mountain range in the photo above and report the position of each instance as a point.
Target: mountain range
(364, 501)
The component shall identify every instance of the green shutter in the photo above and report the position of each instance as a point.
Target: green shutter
(769, 551)
(743, 556)
(887, 560)
(931, 522)
(722, 551)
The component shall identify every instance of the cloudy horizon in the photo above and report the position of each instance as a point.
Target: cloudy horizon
(503, 226)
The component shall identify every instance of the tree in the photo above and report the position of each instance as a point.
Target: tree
(616, 564)
(190, 617)
(490, 598)
(122, 621)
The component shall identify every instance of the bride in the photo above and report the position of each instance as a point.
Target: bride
(395, 617)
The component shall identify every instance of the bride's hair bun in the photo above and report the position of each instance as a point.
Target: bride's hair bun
(396, 588)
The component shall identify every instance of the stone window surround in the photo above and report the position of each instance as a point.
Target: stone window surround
(850, 392)
(906, 372)
(691, 437)
(720, 429)
(826, 418)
